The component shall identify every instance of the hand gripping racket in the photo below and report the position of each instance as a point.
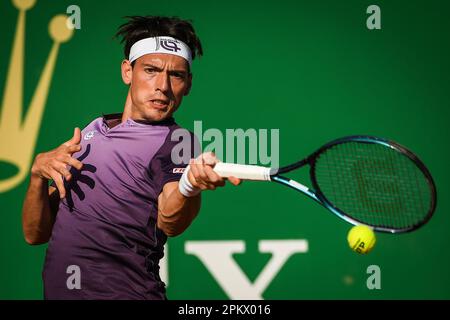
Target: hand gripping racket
(362, 179)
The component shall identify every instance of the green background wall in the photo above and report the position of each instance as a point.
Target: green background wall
(311, 69)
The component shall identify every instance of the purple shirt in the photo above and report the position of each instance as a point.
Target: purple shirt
(106, 225)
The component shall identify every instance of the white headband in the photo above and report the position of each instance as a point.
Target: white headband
(160, 45)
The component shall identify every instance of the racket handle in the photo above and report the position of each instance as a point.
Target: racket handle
(242, 171)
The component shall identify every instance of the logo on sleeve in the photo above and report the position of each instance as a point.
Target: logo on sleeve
(178, 170)
(89, 135)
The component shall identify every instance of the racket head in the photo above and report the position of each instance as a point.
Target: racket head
(373, 181)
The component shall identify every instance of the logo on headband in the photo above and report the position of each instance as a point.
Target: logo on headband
(170, 45)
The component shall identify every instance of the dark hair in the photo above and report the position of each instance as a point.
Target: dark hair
(141, 27)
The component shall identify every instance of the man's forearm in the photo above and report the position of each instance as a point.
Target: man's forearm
(37, 217)
(176, 212)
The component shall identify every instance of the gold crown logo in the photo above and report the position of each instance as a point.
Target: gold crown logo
(18, 136)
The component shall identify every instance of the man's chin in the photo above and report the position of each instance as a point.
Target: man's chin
(157, 115)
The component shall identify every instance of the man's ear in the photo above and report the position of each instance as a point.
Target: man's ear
(127, 71)
(189, 84)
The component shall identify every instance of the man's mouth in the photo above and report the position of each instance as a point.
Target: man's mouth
(159, 103)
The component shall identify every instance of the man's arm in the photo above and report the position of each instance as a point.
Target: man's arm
(39, 211)
(177, 211)
(41, 201)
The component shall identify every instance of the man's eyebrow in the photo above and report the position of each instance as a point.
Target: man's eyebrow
(178, 71)
(152, 66)
(148, 65)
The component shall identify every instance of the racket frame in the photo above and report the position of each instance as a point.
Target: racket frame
(316, 194)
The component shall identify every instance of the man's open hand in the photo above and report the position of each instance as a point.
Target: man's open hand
(55, 163)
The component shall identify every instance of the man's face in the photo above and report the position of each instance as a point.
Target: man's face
(158, 84)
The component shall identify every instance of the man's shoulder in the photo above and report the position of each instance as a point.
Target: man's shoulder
(178, 131)
(179, 134)
(111, 120)
(92, 124)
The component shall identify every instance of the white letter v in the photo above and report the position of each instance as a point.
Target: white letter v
(217, 256)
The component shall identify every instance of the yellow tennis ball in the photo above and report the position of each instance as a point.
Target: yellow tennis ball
(361, 239)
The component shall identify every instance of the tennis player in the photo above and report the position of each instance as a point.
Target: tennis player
(117, 194)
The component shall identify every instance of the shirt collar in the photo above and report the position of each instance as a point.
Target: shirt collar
(113, 119)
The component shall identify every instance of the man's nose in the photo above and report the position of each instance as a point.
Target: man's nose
(163, 83)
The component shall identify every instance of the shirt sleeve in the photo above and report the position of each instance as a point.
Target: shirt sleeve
(172, 158)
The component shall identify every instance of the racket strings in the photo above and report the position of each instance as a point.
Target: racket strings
(374, 184)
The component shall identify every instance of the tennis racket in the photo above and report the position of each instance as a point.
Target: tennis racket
(362, 179)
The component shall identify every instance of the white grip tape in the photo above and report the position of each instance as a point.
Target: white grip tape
(242, 171)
